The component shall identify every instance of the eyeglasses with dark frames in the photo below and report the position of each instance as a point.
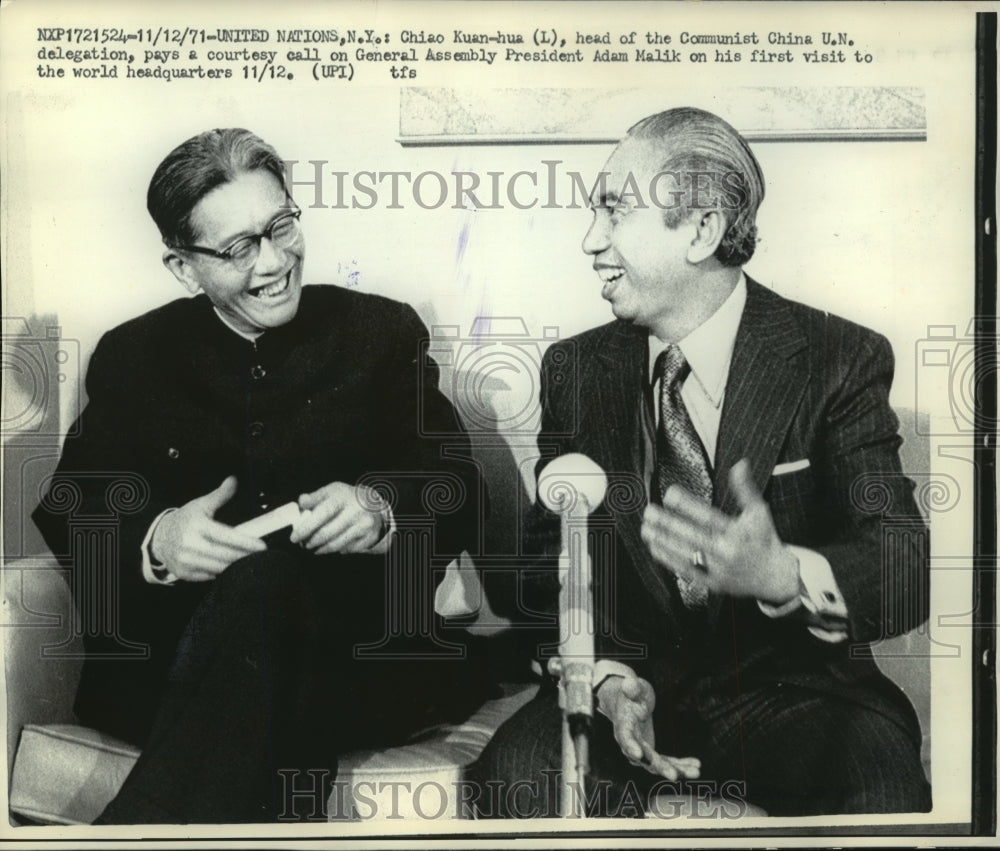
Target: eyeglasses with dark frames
(282, 233)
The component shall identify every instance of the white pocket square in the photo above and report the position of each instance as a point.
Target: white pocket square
(790, 467)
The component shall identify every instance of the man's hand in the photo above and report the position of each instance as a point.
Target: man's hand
(193, 546)
(339, 518)
(628, 702)
(742, 556)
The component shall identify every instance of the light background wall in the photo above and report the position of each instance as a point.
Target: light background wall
(870, 230)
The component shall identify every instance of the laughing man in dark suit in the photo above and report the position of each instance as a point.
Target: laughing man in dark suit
(214, 410)
(749, 566)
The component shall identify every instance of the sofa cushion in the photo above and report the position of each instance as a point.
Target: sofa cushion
(423, 778)
(67, 774)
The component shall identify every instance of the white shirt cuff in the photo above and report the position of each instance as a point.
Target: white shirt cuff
(381, 546)
(605, 668)
(819, 597)
(155, 574)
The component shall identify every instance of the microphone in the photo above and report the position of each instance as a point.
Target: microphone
(573, 486)
(569, 480)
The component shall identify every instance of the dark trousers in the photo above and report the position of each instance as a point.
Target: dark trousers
(792, 751)
(268, 687)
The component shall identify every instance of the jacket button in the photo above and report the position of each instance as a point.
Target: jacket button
(173, 453)
(258, 372)
(256, 429)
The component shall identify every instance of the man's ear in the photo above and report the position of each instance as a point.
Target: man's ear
(710, 228)
(182, 270)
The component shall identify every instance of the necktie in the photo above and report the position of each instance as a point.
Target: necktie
(680, 457)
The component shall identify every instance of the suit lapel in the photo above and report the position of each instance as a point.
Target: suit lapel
(618, 384)
(765, 387)
(621, 389)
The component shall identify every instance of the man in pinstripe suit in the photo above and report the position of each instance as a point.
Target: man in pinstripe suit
(747, 573)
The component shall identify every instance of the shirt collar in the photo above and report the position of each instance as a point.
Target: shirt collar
(709, 347)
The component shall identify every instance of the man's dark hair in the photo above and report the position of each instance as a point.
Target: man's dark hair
(196, 167)
(695, 142)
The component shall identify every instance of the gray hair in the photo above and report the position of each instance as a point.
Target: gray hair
(694, 143)
(196, 167)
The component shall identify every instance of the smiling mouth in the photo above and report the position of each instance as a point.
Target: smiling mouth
(610, 276)
(272, 290)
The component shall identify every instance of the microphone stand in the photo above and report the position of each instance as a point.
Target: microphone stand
(573, 486)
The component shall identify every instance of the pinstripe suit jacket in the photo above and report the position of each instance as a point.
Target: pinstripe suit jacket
(802, 385)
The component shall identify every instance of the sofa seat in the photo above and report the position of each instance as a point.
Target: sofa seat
(67, 774)
(423, 778)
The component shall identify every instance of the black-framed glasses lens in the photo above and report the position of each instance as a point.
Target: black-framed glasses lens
(283, 233)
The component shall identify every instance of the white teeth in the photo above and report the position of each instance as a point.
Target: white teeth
(609, 275)
(274, 289)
